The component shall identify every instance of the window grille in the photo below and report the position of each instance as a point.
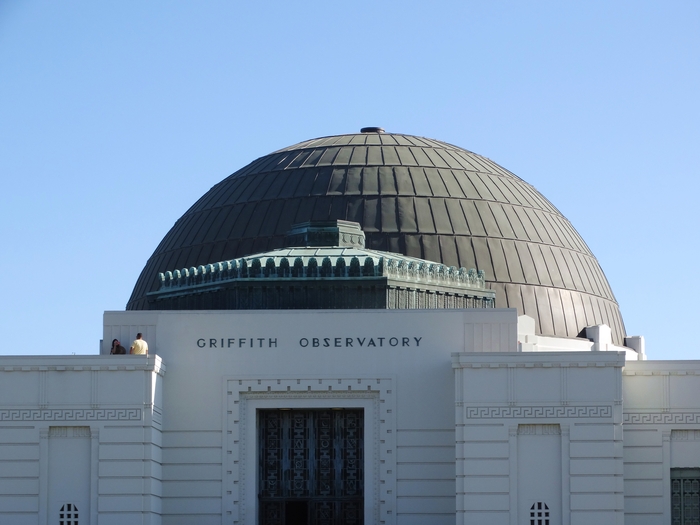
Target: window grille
(68, 515)
(539, 514)
(685, 496)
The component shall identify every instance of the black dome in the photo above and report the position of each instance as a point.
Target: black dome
(412, 195)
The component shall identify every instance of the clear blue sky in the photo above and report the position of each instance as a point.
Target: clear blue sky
(116, 116)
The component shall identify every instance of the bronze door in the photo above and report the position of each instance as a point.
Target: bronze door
(311, 468)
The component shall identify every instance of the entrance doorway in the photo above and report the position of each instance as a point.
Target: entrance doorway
(311, 467)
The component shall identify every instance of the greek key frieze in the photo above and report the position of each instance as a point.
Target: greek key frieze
(603, 411)
(661, 418)
(116, 414)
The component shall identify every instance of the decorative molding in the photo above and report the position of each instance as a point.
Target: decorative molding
(378, 391)
(74, 414)
(604, 411)
(661, 418)
(373, 265)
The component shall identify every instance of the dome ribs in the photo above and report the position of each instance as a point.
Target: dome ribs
(441, 218)
(406, 215)
(359, 156)
(388, 139)
(524, 256)
(482, 256)
(573, 270)
(307, 178)
(389, 156)
(452, 187)
(370, 180)
(552, 267)
(562, 267)
(322, 181)
(257, 190)
(387, 181)
(374, 157)
(448, 251)
(467, 161)
(287, 215)
(321, 208)
(498, 260)
(473, 218)
(544, 309)
(597, 286)
(212, 232)
(420, 183)
(505, 190)
(519, 199)
(412, 195)
(312, 160)
(253, 227)
(338, 209)
(404, 181)
(298, 160)
(448, 159)
(355, 209)
(468, 188)
(437, 186)
(275, 182)
(436, 159)
(343, 157)
(405, 156)
(558, 316)
(514, 297)
(543, 275)
(539, 225)
(579, 312)
(232, 193)
(515, 222)
(487, 219)
(481, 187)
(512, 257)
(389, 215)
(421, 159)
(337, 182)
(329, 155)
(584, 272)
(292, 179)
(457, 219)
(501, 220)
(353, 184)
(424, 217)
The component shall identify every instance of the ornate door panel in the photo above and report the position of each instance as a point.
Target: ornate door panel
(311, 467)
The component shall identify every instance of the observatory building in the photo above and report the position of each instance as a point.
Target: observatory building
(363, 329)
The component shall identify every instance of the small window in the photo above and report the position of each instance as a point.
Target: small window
(685, 496)
(68, 515)
(539, 514)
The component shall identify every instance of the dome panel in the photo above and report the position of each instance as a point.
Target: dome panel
(412, 195)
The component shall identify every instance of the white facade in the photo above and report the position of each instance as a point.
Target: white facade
(468, 418)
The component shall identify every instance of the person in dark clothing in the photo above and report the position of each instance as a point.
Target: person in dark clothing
(117, 348)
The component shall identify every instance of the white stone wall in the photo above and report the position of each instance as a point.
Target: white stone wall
(406, 390)
(539, 427)
(662, 431)
(80, 430)
(458, 422)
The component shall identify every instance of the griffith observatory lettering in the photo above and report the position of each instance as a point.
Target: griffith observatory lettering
(311, 342)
